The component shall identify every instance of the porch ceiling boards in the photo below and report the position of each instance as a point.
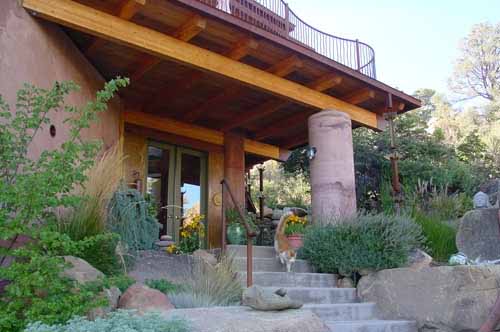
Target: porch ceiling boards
(187, 64)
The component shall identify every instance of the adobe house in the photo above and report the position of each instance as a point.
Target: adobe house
(217, 86)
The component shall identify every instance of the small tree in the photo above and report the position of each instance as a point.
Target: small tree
(30, 191)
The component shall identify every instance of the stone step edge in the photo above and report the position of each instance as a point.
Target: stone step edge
(367, 321)
(332, 305)
(260, 259)
(291, 273)
(311, 288)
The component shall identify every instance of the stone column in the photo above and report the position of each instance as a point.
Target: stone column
(234, 168)
(332, 169)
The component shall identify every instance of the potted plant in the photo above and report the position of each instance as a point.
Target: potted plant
(294, 230)
(236, 233)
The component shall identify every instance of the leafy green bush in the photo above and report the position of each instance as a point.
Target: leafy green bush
(164, 286)
(440, 236)
(209, 286)
(363, 242)
(116, 321)
(128, 216)
(30, 191)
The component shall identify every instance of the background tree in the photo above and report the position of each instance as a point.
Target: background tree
(477, 69)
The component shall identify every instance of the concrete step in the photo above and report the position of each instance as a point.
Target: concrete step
(372, 326)
(284, 279)
(258, 251)
(343, 311)
(318, 295)
(270, 265)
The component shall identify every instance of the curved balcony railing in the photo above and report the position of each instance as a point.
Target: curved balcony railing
(276, 17)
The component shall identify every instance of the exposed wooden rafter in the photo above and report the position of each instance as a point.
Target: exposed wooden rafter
(359, 96)
(126, 11)
(291, 123)
(242, 48)
(199, 133)
(323, 83)
(98, 23)
(185, 32)
(236, 53)
(280, 69)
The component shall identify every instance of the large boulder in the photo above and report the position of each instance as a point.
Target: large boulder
(440, 299)
(492, 189)
(144, 299)
(244, 319)
(478, 235)
(262, 299)
(80, 270)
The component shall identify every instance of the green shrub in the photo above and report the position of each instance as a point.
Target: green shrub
(31, 190)
(363, 242)
(209, 286)
(119, 321)
(164, 286)
(128, 216)
(440, 236)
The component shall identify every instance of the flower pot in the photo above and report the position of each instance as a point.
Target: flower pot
(236, 234)
(296, 241)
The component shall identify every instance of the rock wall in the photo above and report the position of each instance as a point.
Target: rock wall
(35, 51)
(440, 299)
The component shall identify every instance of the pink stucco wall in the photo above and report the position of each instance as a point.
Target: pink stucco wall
(36, 51)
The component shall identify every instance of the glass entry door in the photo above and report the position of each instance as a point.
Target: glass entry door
(176, 182)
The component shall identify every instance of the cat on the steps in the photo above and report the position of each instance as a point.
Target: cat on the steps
(284, 250)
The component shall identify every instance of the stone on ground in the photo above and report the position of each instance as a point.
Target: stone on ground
(205, 256)
(419, 259)
(243, 319)
(144, 299)
(440, 299)
(264, 299)
(80, 270)
(346, 283)
(112, 295)
(479, 234)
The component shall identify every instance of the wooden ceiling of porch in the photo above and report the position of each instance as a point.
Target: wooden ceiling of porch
(169, 89)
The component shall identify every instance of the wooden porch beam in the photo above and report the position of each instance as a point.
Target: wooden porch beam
(236, 53)
(126, 11)
(242, 48)
(281, 69)
(198, 133)
(323, 83)
(185, 32)
(106, 26)
(286, 66)
(359, 96)
(289, 124)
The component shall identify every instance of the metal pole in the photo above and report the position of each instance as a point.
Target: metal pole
(358, 60)
(261, 192)
(394, 157)
(223, 221)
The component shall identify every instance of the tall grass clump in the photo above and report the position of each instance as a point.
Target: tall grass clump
(440, 236)
(87, 221)
(209, 286)
(365, 241)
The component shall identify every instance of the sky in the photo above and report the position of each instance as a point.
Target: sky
(416, 41)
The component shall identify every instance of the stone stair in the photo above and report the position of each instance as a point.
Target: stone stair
(339, 308)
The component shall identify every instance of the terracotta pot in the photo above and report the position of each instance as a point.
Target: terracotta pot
(296, 240)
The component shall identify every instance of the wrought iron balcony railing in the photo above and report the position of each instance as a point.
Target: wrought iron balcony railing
(276, 17)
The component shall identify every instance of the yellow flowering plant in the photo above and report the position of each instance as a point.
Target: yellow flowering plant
(192, 231)
(172, 249)
(295, 225)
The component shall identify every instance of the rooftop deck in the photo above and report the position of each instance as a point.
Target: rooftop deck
(276, 17)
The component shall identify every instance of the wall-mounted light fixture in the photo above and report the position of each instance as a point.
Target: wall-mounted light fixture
(311, 152)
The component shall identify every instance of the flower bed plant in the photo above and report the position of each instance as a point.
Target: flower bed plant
(372, 242)
(295, 225)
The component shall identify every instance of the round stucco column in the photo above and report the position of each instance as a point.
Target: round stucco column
(333, 190)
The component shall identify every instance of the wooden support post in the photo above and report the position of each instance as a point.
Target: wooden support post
(234, 166)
